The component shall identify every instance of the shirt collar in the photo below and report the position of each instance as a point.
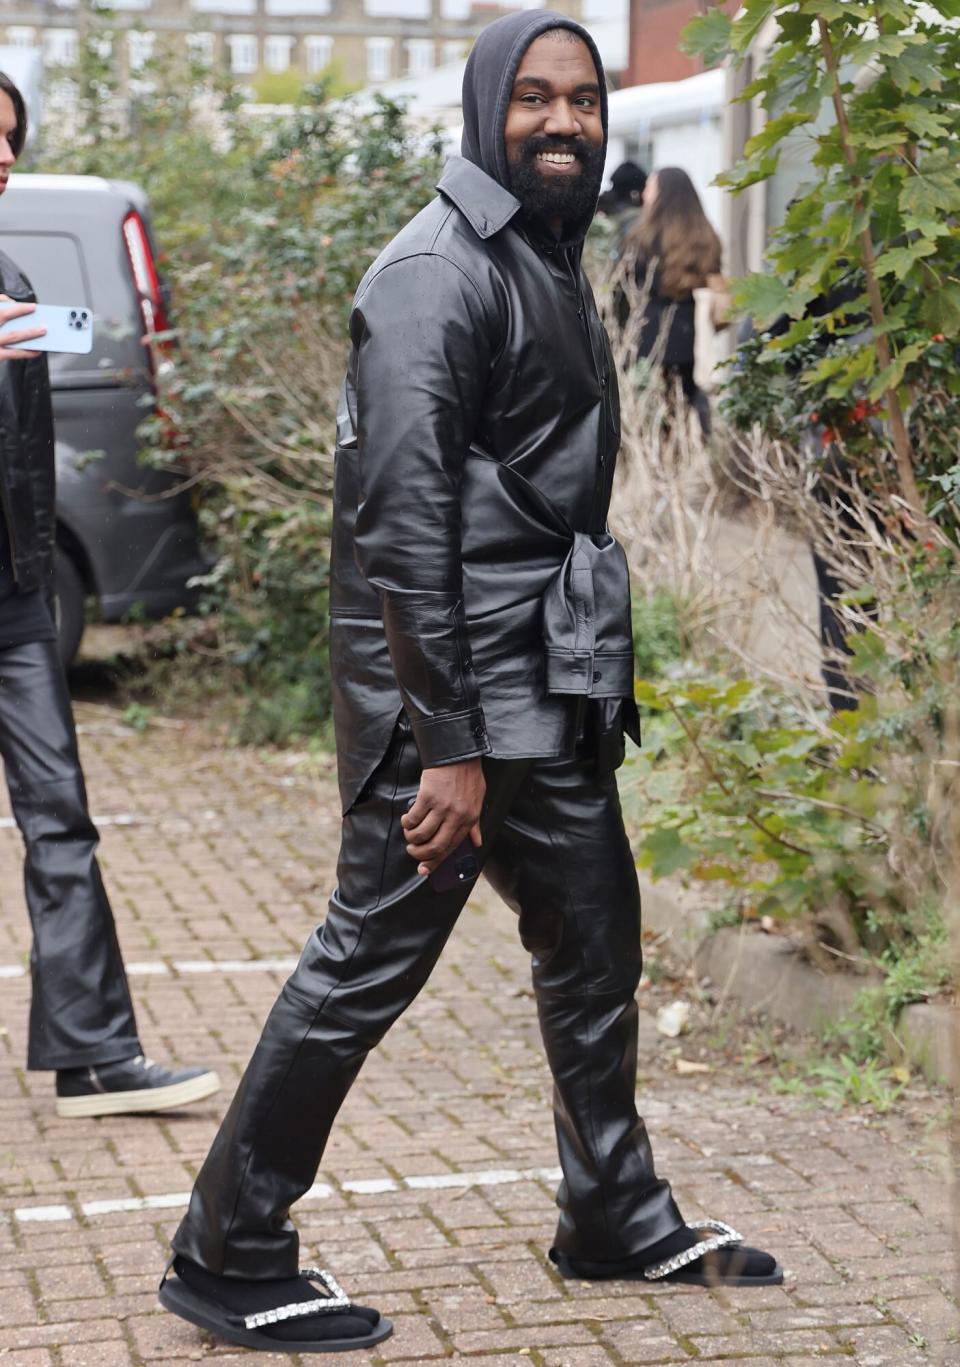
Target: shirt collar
(484, 203)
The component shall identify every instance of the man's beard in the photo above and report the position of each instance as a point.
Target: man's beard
(571, 198)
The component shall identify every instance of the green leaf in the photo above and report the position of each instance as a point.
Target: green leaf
(935, 188)
(899, 261)
(919, 119)
(663, 852)
(649, 695)
(831, 9)
(763, 297)
(774, 131)
(941, 309)
(708, 36)
(749, 172)
(753, 15)
(892, 376)
(913, 70)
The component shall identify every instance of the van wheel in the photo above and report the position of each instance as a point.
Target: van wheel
(69, 606)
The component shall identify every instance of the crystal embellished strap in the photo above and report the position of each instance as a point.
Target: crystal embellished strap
(724, 1237)
(337, 1299)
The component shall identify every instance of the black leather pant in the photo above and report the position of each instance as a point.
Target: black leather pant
(555, 848)
(80, 1013)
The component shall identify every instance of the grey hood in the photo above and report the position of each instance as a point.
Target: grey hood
(488, 80)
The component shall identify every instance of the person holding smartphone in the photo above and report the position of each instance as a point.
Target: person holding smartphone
(82, 1023)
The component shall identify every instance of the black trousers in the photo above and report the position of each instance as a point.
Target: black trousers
(80, 1012)
(554, 847)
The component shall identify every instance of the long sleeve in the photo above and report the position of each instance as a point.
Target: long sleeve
(424, 346)
(36, 429)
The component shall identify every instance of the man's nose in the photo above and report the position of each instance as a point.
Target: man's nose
(562, 120)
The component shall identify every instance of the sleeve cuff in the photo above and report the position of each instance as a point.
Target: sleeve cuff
(451, 737)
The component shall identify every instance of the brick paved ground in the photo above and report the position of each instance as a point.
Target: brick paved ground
(228, 858)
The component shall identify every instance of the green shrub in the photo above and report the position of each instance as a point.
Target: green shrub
(267, 227)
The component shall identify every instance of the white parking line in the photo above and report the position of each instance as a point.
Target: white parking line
(159, 968)
(7, 823)
(321, 1191)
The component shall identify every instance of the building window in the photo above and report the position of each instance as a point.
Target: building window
(21, 37)
(319, 53)
(201, 47)
(379, 58)
(301, 8)
(243, 53)
(61, 47)
(419, 56)
(276, 51)
(397, 9)
(140, 48)
(454, 51)
(224, 6)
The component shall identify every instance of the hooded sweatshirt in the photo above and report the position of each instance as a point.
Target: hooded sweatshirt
(487, 85)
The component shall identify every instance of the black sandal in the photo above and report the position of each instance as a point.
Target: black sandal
(252, 1331)
(736, 1270)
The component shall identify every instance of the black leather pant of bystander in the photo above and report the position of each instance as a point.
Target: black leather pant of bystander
(555, 849)
(80, 1013)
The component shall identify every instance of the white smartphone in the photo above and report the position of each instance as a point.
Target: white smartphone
(68, 329)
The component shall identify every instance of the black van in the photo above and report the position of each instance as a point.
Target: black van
(126, 534)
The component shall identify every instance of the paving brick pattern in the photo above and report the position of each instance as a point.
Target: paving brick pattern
(228, 857)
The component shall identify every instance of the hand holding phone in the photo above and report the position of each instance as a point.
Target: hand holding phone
(444, 818)
(458, 869)
(62, 328)
(13, 339)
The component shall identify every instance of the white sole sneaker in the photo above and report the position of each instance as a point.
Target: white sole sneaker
(140, 1100)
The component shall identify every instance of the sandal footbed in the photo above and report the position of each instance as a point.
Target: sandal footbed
(774, 1278)
(178, 1298)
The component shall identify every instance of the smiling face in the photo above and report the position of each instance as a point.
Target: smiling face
(553, 133)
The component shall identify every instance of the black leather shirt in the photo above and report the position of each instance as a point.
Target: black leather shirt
(26, 488)
(477, 433)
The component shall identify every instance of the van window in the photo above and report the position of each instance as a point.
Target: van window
(52, 263)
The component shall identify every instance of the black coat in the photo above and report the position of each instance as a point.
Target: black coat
(27, 480)
(473, 582)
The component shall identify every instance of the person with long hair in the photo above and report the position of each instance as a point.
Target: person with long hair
(82, 1024)
(672, 250)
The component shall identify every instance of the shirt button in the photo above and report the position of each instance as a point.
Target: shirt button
(597, 676)
(479, 731)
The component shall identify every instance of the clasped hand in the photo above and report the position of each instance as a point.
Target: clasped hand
(447, 808)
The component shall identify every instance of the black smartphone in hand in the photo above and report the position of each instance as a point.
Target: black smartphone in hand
(458, 869)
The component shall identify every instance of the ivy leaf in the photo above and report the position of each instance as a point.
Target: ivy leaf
(708, 36)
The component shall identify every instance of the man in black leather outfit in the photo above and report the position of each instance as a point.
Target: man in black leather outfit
(482, 666)
(81, 1017)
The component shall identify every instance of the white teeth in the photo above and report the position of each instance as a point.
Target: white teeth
(559, 158)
